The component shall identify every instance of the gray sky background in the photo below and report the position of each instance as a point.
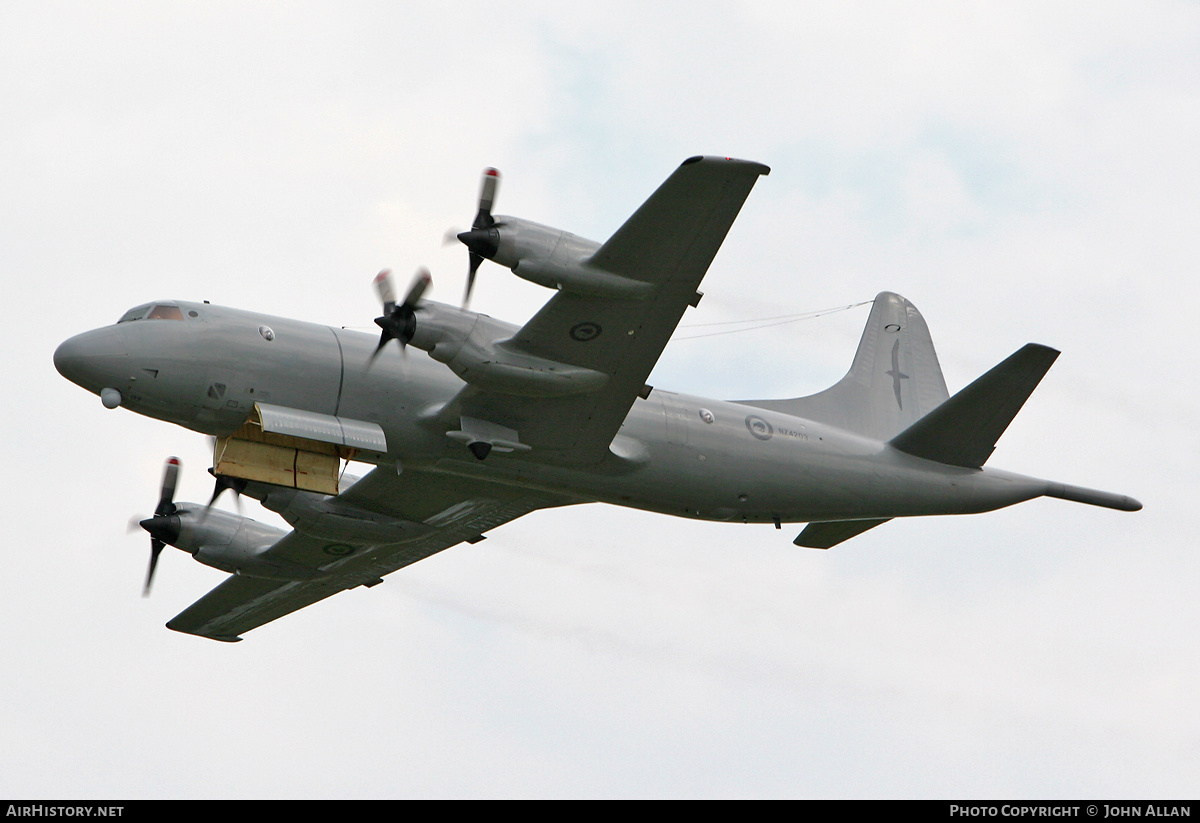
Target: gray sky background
(1020, 171)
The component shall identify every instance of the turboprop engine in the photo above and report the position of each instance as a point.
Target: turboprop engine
(480, 349)
(540, 254)
(476, 347)
(225, 541)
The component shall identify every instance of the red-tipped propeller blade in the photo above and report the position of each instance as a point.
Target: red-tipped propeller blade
(481, 240)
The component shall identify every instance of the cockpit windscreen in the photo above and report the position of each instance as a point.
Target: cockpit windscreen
(152, 311)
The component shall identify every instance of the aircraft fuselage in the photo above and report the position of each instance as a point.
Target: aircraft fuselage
(676, 454)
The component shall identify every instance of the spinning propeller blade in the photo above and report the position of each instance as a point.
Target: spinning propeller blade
(163, 527)
(482, 240)
(166, 498)
(398, 321)
(487, 196)
(234, 484)
(156, 547)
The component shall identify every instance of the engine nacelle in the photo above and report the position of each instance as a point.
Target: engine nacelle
(326, 517)
(232, 543)
(557, 259)
(478, 349)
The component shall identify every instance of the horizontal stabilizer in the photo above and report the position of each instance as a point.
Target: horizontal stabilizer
(963, 431)
(830, 533)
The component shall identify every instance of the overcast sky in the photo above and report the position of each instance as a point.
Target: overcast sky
(1020, 171)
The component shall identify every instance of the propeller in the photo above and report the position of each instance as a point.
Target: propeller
(234, 484)
(163, 526)
(223, 482)
(482, 241)
(399, 321)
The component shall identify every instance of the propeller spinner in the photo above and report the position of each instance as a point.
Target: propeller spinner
(164, 525)
(482, 241)
(399, 321)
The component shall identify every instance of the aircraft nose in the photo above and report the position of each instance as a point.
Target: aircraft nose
(93, 359)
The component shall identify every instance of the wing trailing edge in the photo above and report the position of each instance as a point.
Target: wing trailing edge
(669, 243)
(828, 534)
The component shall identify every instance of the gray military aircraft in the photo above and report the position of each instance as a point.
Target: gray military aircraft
(499, 420)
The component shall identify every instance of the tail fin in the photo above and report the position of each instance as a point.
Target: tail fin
(894, 381)
(963, 431)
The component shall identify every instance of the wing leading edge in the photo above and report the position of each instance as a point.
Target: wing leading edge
(455, 512)
(669, 242)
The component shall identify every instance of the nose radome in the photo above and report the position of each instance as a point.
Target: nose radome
(90, 359)
(69, 358)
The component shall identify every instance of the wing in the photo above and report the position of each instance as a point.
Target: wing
(668, 242)
(455, 511)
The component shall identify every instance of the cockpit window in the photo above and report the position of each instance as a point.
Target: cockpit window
(152, 311)
(165, 312)
(135, 314)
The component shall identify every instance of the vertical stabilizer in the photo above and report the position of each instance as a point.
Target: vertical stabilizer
(895, 379)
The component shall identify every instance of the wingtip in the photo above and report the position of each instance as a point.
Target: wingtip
(760, 168)
(224, 638)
